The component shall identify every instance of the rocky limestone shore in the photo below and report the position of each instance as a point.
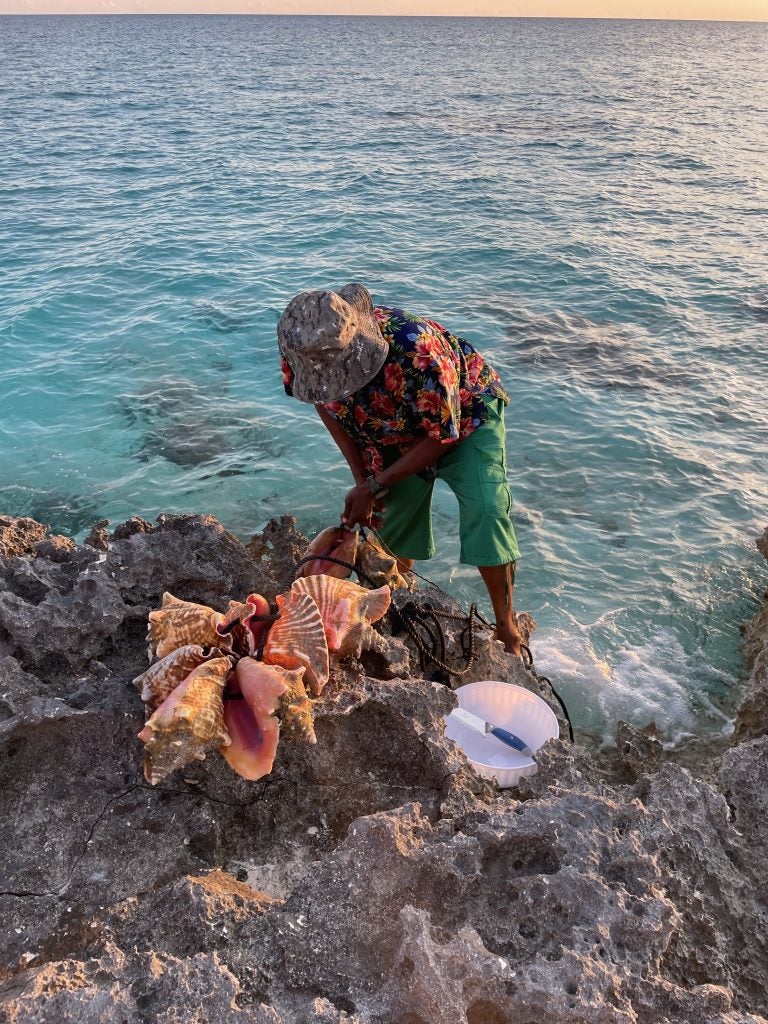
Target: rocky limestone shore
(373, 878)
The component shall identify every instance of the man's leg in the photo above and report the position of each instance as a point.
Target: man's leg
(476, 472)
(500, 583)
(407, 521)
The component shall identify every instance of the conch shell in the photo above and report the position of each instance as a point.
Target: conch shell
(298, 639)
(294, 708)
(179, 623)
(347, 610)
(243, 623)
(249, 716)
(164, 676)
(338, 541)
(379, 567)
(189, 722)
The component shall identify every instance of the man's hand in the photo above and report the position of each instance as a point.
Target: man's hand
(359, 507)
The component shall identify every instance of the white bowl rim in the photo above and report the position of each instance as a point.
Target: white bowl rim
(528, 694)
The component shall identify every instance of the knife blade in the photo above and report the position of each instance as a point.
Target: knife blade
(479, 724)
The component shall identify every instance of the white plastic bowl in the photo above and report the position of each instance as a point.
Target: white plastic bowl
(513, 708)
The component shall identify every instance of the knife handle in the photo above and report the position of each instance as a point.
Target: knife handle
(511, 740)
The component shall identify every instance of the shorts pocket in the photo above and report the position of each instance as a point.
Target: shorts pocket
(496, 497)
(491, 464)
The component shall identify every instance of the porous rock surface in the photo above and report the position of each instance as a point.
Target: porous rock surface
(373, 878)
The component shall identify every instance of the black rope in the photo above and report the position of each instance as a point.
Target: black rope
(337, 561)
(427, 617)
(525, 651)
(425, 656)
(544, 679)
(263, 638)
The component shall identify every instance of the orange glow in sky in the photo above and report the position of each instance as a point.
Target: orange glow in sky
(719, 10)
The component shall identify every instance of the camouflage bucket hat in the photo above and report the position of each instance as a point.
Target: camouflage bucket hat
(332, 342)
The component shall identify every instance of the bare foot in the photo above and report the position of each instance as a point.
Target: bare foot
(509, 635)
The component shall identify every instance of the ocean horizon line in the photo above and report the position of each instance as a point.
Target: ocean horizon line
(411, 17)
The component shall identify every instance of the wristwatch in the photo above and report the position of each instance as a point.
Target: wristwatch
(376, 489)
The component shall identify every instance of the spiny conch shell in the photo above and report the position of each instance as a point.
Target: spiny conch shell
(239, 623)
(298, 638)
(379, 566)
(189, 722)
(179, 623)
(347, 610)
(294, 708)
(338, 541)
(250, 719)
(164, 676)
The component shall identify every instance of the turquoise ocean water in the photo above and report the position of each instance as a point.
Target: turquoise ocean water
(585, 201)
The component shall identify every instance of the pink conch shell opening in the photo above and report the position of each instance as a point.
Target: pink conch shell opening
(347, 610)
(250, 720)
(298, 639)
(188, 723)
(240, 623)
(164, 676)
(179, 623)
(338, 542)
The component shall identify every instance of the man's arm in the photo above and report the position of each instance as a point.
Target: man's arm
(345, 444)
(358, 505)
(424, 453)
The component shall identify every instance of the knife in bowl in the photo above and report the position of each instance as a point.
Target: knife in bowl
(479, 724)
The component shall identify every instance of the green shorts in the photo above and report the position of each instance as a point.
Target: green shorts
(476, 472)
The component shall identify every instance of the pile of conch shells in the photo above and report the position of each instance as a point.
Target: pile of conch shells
(236, 681)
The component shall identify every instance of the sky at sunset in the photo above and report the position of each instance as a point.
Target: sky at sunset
(725, 10)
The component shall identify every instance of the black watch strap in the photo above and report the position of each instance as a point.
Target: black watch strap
(376, 489)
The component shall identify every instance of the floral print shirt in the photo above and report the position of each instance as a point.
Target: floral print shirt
(429, 386)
